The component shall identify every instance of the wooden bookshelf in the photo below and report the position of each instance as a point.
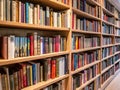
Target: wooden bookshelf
(61, 7)
(45, 83)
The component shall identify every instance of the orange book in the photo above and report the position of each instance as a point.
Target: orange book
(17, 11)
(76, 43)
(53, 69)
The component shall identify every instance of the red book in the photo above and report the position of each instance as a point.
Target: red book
(57, 43)
(72, 21)
(4, 47)
(24, 74)
(53, 68)
(31, 45)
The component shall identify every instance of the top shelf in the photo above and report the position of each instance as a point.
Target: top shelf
(52, 3)
(93, 2)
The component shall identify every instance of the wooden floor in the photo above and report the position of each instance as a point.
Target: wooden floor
(115, 83)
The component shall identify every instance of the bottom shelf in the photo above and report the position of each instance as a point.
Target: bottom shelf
(44, 84)
(88, 82)
(105, 84)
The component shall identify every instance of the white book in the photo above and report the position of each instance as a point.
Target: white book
(20, 11)
(63, 65)
(31, 6)
(55, 19)
(35, 15)
(11, 46)
(38, 14)
(4, 10)
(1, 10)
(41, 45)
(35, 43)
(41, 15)
(14, 11)
(60, 20)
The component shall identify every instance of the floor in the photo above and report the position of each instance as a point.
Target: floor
(115, 84)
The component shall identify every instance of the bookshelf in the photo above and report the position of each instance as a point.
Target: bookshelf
(84, 36)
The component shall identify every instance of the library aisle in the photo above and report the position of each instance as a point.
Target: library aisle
(114, 85)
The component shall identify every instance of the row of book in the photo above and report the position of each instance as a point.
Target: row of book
(57, 86)
(84, 76)
(18, 76)
(108, 62)
(117, 23)
(80, 41)
(107, 51)
(108, 5)
(32, 44)
(117, 40)
(117, 57)
(108, 18)
(107, 29)
(106, 40)
(117, 66)
(117, 48)
(117, 31)
(81, 59)
(85, 24)
(26, 12)
(95, 85)
(107, 75)
(83, 5)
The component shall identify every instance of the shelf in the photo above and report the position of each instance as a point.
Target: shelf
(84, 67)
(107, 57)
(31, 58)
(93, 2)
(118, 71)
(84, 14)
(106, 22)
(87, 83)
(117, 44)
(117, 36)
(103, 86)
(105, 34)
(106, 69)
(117, 26)
(11, 24)
(104, 46)
(117, 52)
(85, 49)
(117, 61)
(87, 32)
(107, 11)
(53, 3)
(41, 85)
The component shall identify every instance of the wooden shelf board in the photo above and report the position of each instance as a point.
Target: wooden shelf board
(53, 3)
(117, 44)
(117, 61)
(43, 84)
(106, 22)
(87, 32)
(84, 67)
(93, 2)
(105, 34)
(107, 57)
(84, 14)
(31, 58)
(117, 26)
(85, 49)
(118, 71)
(30, 26)
(87, 83)
(106, 69)
(107, 11)
(117, 52)
(117, 36)
(104, 46)
(103, 86)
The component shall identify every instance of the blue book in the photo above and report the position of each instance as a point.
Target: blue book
(75, 61)
(27, 12)
(34, 69)
(28, 46)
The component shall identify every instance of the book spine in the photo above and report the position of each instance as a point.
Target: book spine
(1, 10)
(31, 45)
(20, 11)
(27, 12)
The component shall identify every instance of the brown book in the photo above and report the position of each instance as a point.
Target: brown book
(17, 11)
(4, 47)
